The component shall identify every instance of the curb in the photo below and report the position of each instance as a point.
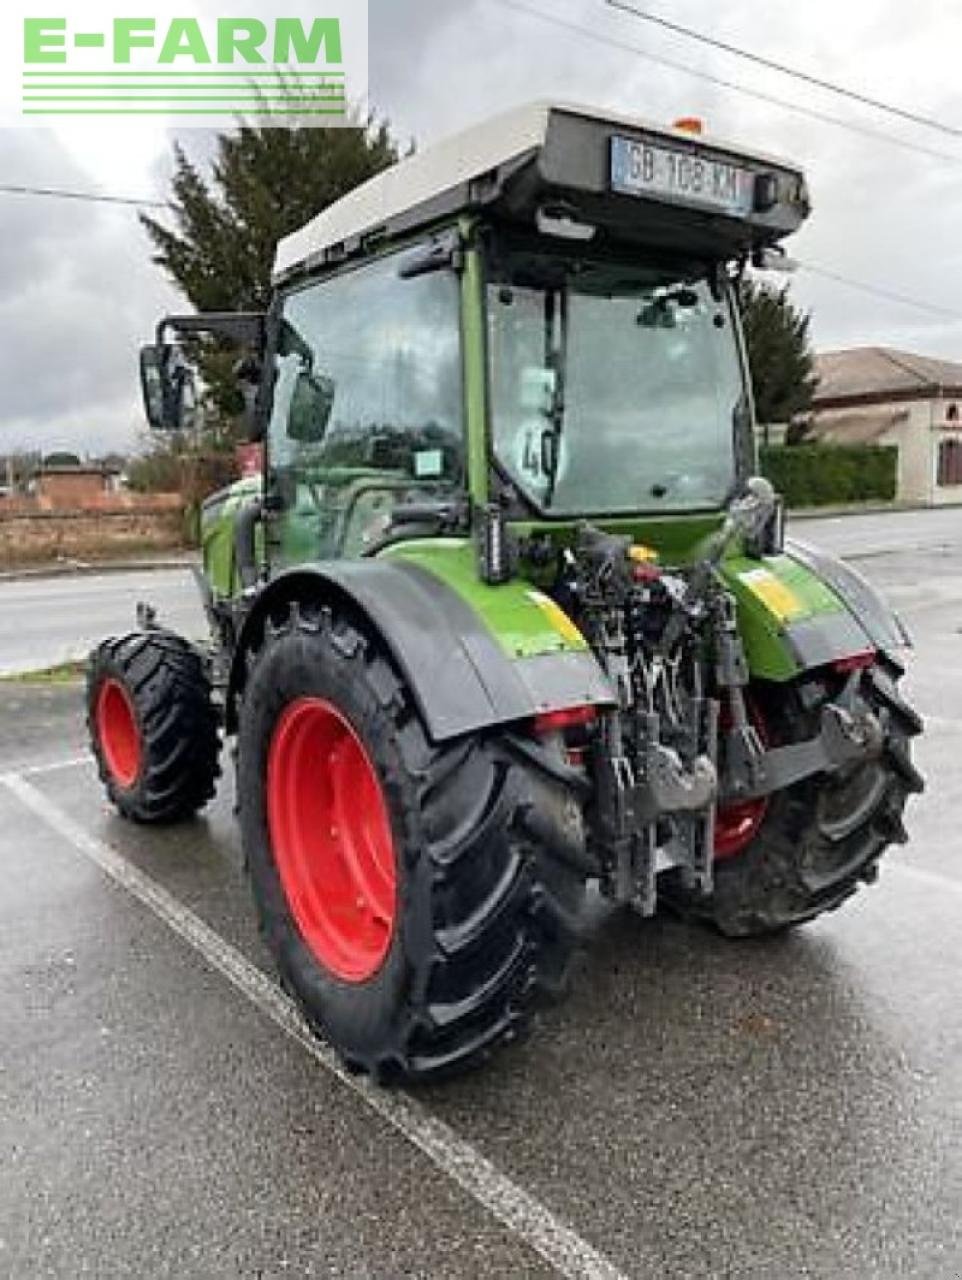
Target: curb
(831, 513)
(87, 569)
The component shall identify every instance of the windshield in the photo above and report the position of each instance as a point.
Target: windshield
(615, 388)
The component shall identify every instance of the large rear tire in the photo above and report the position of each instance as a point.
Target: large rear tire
(408, 909)
(808, 848)
(153, 727)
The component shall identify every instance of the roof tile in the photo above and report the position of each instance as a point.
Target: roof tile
(879, 372)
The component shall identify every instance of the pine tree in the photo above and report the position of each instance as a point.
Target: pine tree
(780, 355)
(265, 182)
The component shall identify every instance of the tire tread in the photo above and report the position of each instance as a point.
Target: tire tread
(171, 693)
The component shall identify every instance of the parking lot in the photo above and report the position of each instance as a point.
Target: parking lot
(698, 1107)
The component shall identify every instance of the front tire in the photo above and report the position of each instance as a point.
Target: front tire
(153, 727)
(408, 912)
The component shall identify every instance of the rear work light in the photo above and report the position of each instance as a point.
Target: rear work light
(549, 722)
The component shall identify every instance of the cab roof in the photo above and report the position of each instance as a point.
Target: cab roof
(549, 156)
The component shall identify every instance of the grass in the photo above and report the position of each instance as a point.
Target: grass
(61, 673)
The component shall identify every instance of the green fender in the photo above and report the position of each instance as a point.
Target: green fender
(805, 609)
(465, 674)
(796, 611)
(476, 655)
(218, 515)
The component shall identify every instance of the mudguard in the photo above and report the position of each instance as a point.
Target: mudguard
(461, 676)
(804, 609)
(881, 623)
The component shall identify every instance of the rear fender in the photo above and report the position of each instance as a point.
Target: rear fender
(461, 678)
(804, 610)
(879, 620)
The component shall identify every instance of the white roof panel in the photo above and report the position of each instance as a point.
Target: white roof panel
(445, 166)
(427, 173)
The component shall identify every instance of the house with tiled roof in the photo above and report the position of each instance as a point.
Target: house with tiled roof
(876, 395)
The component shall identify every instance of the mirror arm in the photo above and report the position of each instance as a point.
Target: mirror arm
(248, 328)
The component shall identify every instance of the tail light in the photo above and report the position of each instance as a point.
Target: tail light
(549, 722)
(854, 662)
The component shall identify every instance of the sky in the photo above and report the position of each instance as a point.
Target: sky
(79, 294)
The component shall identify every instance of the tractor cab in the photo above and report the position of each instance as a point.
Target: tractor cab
(538, 314)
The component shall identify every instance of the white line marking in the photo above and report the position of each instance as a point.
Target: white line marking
(517, 1209)
(52, 766)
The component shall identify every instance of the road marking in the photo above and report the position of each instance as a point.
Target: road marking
(52, 766)
(525, 1216)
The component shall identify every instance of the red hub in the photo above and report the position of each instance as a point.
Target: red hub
(118, 734)
(737, 825)
(331, 839)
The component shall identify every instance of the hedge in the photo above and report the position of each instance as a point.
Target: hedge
(819, 475)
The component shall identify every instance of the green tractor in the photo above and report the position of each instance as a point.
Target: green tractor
(508, 616)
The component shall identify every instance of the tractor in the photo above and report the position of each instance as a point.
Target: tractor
(507, 618)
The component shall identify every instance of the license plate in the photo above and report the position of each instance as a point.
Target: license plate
(640, 169)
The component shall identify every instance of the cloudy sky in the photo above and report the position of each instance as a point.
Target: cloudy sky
(78, 292)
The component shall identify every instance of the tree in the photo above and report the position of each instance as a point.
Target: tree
(18, 468)
(779, 352)
(265, 182)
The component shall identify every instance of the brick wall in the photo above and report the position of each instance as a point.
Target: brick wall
(29, 535)
(70, 490)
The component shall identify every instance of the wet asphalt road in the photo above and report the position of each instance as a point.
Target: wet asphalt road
(45, 621)
(697, 1108)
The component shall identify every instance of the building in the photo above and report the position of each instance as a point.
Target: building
(74, 488)
(875, 395)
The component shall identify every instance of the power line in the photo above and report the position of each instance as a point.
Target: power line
(94, 197)
(812, 268)
(813, 113)
(877, 291)
(598, 37)
(828, 85)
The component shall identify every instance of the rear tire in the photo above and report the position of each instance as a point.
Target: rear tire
(153, 728)
(822, 838)
(480, 916)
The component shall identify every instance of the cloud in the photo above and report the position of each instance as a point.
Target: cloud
(883, 214)
(77, 296)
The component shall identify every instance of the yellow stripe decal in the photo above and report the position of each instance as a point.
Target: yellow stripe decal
(779, 599)
(558, 619)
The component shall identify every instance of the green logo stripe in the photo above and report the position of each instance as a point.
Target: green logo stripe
(291, 73)
(171, 111)
(182, 97)
(303, 91)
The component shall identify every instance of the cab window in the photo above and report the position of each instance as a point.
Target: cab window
(368, 405)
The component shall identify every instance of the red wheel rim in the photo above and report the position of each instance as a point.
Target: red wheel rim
(118, 733)
(737, 825)
(331, 839)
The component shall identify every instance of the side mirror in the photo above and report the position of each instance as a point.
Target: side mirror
(249, 374)
(762, 512)
(311, 407)
(168, 389)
